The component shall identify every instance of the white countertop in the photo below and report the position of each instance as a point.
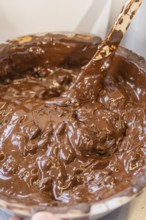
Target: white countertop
(136, 210)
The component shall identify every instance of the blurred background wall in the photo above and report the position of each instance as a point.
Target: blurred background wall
(88, 16)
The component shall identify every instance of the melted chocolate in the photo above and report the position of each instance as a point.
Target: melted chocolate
(65, 137)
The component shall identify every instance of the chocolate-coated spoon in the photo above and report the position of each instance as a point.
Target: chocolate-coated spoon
(110, 44)
(93, 72)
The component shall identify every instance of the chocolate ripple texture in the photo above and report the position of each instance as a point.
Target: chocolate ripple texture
(66, 138)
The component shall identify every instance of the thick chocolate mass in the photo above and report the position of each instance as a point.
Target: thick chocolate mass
(66, 139)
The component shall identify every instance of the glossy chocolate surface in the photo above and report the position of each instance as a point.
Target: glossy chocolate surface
(67, 138)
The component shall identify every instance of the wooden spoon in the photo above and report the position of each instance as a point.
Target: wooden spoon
(89, 82)
(112, 41)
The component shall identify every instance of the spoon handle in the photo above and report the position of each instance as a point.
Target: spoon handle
(110, 44)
